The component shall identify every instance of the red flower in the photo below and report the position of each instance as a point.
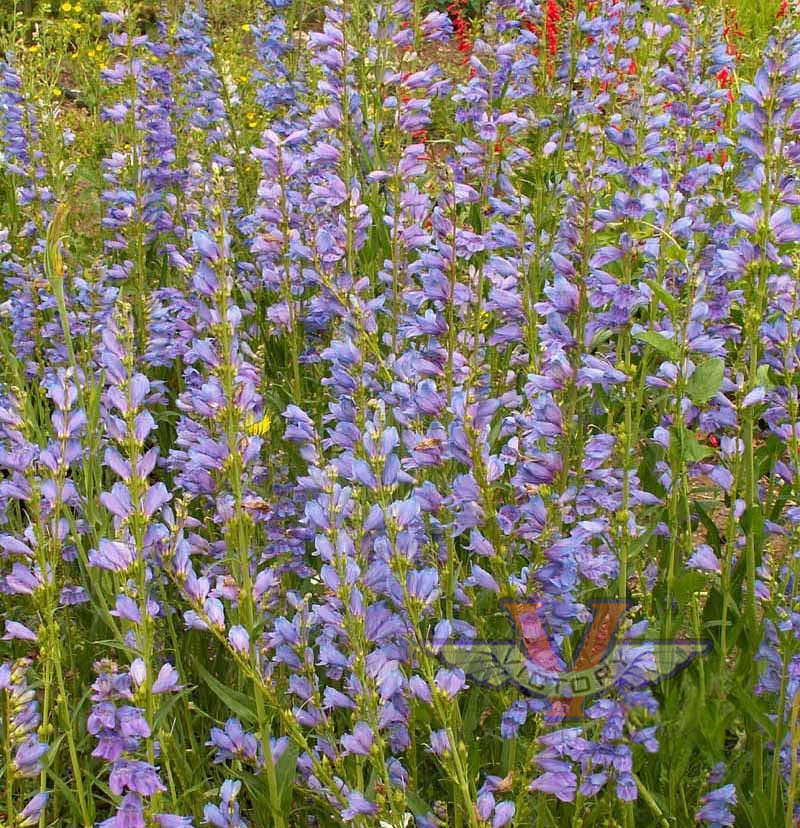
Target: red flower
(732, 32)
(725, 81)
(460, 27)
(551, 20)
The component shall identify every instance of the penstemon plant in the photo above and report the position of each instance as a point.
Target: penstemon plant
(399, 415)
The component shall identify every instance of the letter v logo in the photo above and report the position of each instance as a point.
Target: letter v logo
(595, 647)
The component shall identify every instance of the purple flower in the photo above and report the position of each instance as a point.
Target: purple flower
(135, 776)
(27, 759)
(116, 556)
(626, 788)
(358, 805)
(503, 814)
(359, 742)
(440, 743)
(128, 609)
(703, 558)
(206, 246)
(30, 814)
(754, 397)
(239, 639)
(717, 805)
(173, 821)
(226, 816)
(561, 783)
(15, 630)
(130, 814)
(166, 681)
(233, 742)
(450, 682)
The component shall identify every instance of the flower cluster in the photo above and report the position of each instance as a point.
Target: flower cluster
(337, 340)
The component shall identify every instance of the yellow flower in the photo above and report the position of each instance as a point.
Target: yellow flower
(245, 27)
(77, 8)
(33, 48)
(257, 427)
(56, 93)
(66, 7)
(77, 26)
(91, 53)
(252, 124)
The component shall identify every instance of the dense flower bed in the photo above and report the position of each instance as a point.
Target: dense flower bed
(338, 342)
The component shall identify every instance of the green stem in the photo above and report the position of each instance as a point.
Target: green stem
(238, 534)
(67, 724)
(9, 764)
(791, 794)
(650, 802)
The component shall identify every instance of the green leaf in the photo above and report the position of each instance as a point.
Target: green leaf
(705, 381)
(285, 770)
(687, 447)
(686, 585)
(603, 335)
(638, 546)
(239, 703)
(664, 296)
(660, 343)
(417, 804)
(164, 713)
(763, 378)
(694, 452)
(753, 522)
(764, 815)
(257, 789)
(471, 715)
(712, 530)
